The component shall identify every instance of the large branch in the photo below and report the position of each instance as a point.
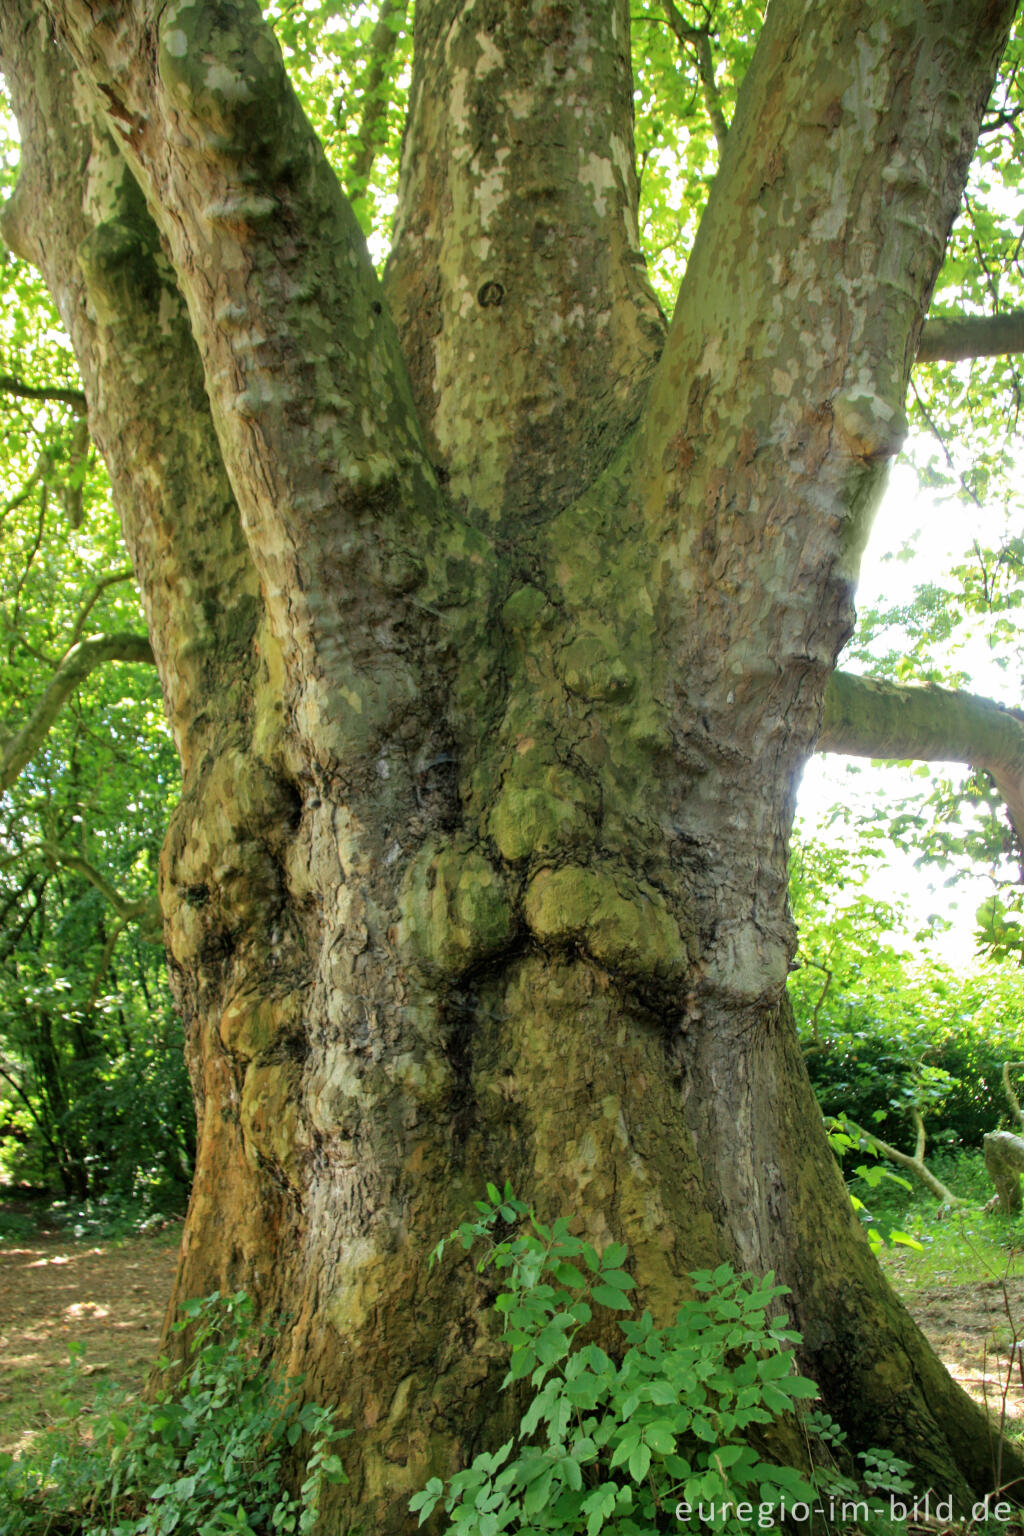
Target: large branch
(18, 749)
(949, 340)
(867, 717)
(149, 413)
(305, 378)
(780, 396)
(555, 352)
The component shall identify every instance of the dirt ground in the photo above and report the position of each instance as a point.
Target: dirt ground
(111, 1298)
(54, 1290)
(974, 1337)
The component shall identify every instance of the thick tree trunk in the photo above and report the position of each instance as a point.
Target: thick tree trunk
(492, 678)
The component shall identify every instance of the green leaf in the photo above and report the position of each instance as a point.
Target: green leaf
(659, 1436)
(618, 1279)
(639, 1461)
(624, 1450)
(536, 1495)
(572, 1473)
(606, 1296)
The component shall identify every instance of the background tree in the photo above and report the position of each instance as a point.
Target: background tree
(494, 620)
(93, 1096)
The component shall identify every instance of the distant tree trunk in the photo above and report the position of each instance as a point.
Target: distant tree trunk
(1004, 1159)
(494, 619)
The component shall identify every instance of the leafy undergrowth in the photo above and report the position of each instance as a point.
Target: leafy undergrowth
(206, 1455)
(964, 1285)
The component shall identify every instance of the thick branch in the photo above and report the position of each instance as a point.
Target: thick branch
(305, 378)
(497, 326)
(9, 385)
(949, 340)
(149, 413)
(18, 749)
(867, 717)
(763, 459)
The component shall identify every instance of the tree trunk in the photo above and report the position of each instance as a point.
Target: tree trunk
(494, 640)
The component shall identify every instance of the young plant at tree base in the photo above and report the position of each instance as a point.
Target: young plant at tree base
(615, 1446)
(205, 1459)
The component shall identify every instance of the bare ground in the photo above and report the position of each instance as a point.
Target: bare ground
(54, 1290)
(977, 1331)
(111, 1298)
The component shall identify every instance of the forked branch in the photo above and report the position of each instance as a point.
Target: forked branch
(913, 1164)
(144, 910)
(698, 38)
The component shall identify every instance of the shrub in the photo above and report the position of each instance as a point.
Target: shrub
(207, 1458)
(615, 1446)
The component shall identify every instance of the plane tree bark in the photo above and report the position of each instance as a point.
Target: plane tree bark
(494, 619)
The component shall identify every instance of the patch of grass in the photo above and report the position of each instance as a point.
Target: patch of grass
(962, 1246)
(16, 1225)
(959, 1248)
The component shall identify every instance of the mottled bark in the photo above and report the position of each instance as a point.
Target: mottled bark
(516, 278)
(1004, 1160)
(481, 865)
(149, 415)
